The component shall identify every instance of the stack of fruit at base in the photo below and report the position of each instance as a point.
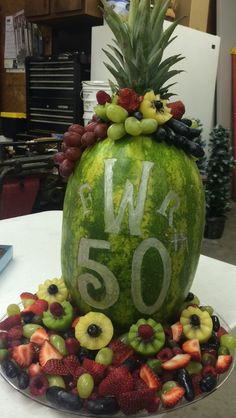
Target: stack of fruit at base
(124, 115)
(80, 362)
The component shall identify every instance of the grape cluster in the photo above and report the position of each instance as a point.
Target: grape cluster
(75, 141)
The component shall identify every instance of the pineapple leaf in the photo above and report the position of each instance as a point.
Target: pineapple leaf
(113, 86)
(157, 23)
(122, 82)
(169, 62)
(141, 33)
(159, 81)
(117, 53)
(133, 14)
(115, 62)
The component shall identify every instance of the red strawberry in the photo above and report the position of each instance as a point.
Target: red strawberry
(177, 109)
(39, 336)
(15, 332)
(56, 367)
(129, 99)
(132, 402)
(153, 406)
(172, 397)
(75, 322)
(48, 352)
(28, 295)
(177, 330)
(95, 369)
(78, 371)
(223, 363)
(34, 369)
(3, 339)
(103, 97)
(23, 354)
(38, 307)
(196, 379)
(72, 345)
(116, 345)
(117, 381)
(71, 363)
(13, 343)
(121, 352)
(10, 322)
(193, 348)
(149, 377)
(177, 362)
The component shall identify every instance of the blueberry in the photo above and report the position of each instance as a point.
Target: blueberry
(84, 353)
(138, 115)
(189, 297)
(103, 406)
(52, 289)
(11, 370)
(94, 330)
(131, 364)
(23, 380)
(27, 317)
(62, 398)
(208, 383)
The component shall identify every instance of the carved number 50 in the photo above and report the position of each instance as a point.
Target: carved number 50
(109, 281)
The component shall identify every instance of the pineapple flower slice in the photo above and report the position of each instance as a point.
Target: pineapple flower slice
(153, 107)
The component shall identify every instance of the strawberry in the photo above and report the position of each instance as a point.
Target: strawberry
(56, 367)
(221, 331)
(71, 363)
(23, 354)
(177, 109)
(78, 371)
(196, 379)
(75, 321)
(172, 397)
(95, 369)
(192, 347)
(117, 381)
(10, 322)
(48, 352)
(34, 369)
(39, 336)
(28, 295)
(153, 406)
(177, 362)
(38, 307)
(149, 377)
(116, 345)
(15, 332)
(132, 402)
(223, 363)
(177, 330)
(121, 352)
(103, 97)
(3, 339)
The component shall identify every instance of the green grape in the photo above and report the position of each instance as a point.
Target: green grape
(133, 126)
(209, 309)
(29, 329)
(124, 338)
(3, 354)
(168, 386)
(149, 126)
(228, 341)
(100, 111)
(116, 131)
(155, 365)
(194, 367)
(13, 309)
(104, 356)
(55, 380)
(59, 343)
(116, 113)
(85, 385)
(223, 351)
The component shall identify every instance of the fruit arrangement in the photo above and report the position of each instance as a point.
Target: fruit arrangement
(78, 362)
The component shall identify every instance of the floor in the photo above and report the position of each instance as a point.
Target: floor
(223, 402)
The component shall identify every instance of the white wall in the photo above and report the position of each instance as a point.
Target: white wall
(226, 29)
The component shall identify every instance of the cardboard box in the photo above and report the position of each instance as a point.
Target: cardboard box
(198, 14)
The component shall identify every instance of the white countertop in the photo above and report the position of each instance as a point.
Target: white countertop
(36, 241)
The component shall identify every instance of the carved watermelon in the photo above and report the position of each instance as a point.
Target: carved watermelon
(132, 229)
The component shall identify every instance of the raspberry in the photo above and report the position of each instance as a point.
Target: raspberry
(177, 350)
(15, 332)
(10, 322)
(38, 385)
(165, 354)
(56, 309)
(145, 332)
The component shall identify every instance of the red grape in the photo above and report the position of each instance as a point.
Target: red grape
(66, 168)
(72, 139)
(90, 127)
(78, 129)
(95, 118)
(73, 153)
(59, 157)
(101, 130)
(89, 138)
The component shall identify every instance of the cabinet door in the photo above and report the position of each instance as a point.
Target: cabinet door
(66, 6)
(37, 8)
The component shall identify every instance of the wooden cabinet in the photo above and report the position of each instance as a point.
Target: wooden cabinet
(50, 11)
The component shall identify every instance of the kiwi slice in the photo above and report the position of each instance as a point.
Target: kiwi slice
(146, 337)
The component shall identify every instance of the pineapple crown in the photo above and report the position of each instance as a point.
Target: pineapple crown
(140, 42)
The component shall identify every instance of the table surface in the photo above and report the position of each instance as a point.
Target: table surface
(36, 257)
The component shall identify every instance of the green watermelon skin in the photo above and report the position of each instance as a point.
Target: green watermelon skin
(168, 241)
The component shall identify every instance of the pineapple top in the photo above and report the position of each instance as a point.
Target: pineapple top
(139, 44)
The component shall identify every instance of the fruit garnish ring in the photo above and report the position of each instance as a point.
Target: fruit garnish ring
(221, 379)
